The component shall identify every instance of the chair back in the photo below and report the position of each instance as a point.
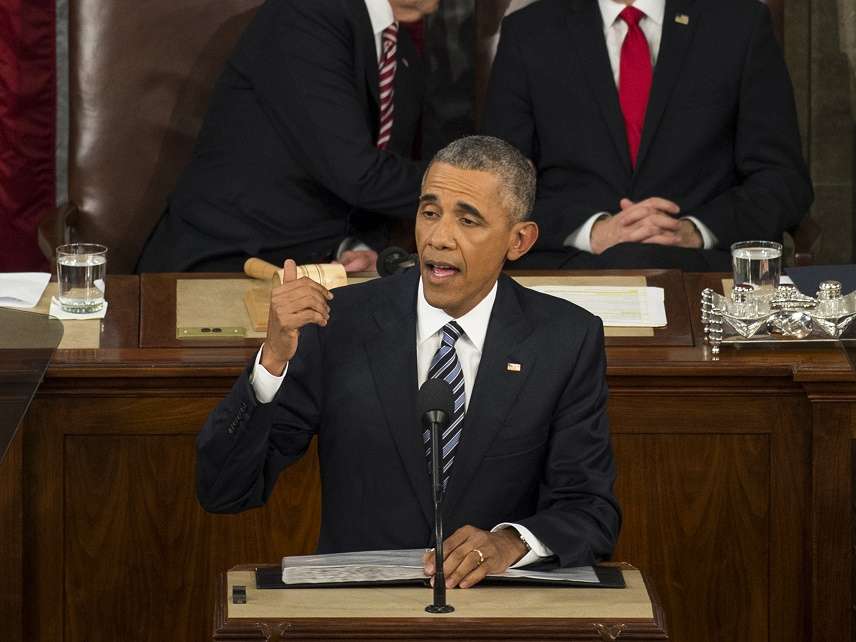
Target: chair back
(140, 75)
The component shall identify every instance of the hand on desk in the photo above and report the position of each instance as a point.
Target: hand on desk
(463, 565)
(358, 260)
(650, 221)
(293, 304)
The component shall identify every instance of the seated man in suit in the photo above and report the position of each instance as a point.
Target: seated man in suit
(305, 150)
(528, 469)
(663, 130)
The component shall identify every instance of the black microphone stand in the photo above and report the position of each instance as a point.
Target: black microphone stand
(438, 420)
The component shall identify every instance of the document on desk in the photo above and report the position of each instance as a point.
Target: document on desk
(22, 289)
(617, 306)
(371, 567)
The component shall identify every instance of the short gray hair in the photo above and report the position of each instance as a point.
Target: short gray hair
(515, 172)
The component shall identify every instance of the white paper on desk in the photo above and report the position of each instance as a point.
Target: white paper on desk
(391, 565)
(22, 289)
(616, 305)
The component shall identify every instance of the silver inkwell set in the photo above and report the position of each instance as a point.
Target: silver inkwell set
(775, 315)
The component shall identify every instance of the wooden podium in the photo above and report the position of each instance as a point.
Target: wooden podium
(393, 613)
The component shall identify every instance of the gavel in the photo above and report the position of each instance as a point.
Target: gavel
(330, 275)
(260, 269)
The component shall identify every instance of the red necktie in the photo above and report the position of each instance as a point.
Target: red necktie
(386, 71)
(634, 79)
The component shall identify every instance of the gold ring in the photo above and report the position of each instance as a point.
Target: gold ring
(479, 553)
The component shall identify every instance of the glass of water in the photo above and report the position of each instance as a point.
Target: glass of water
(758, 263)
(81, 269)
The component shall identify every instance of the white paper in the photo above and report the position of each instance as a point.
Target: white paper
(379, 566)
(57, 312)
(22, 289)
(617, 306)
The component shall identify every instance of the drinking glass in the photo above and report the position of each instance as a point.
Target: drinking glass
(757, 263)
(80, 270)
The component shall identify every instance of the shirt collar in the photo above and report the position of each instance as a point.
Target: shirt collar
(653, 10)
(474, 323)
(380, 14)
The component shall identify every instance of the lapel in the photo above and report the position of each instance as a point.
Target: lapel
(392, 360)
(586, 25)
(496, 389)
(673, 45)
(365, 45)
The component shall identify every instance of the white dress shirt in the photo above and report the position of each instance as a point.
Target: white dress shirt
(429, 335)
(381, 16)
(614, 31)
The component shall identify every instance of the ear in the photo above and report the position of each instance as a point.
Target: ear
(523, 237)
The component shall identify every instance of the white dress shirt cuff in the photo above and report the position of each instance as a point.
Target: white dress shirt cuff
(265, 385)
(537, 550)
(581, 237)
(709, 240)
(350, 243)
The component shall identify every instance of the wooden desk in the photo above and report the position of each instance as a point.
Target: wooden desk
(493, 613)
(735, 476)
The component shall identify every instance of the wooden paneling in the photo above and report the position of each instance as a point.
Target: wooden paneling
(117, 536)
(735, 476)
(832, 546)
(11, 533)
(697, 518)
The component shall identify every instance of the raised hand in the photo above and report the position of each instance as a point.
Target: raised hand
(293, 304)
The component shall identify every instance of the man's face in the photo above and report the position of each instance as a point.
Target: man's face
(413, 10)
(464, 233)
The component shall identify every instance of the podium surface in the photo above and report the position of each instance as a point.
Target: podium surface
(398, 612)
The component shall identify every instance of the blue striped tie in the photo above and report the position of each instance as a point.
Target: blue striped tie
(445, 365)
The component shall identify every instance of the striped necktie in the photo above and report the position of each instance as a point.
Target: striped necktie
(386, 70)
(446, 365)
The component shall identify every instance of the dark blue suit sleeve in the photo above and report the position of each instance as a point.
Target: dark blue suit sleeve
(774, 192)
(578, 517)
(304, 80)
(244, 445)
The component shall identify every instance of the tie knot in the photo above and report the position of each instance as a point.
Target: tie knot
(451, 333)
(631, 15)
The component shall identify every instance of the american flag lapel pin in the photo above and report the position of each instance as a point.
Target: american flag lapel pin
(682, 19)
(512, 367)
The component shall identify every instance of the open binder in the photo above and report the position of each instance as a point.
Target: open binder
(404, 568)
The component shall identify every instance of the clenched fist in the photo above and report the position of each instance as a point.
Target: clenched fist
(293, 304)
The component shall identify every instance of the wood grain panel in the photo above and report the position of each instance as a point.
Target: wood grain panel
(696, 517)
(831, 546)
(43, 524)
(790, 501)
(139, 549)
(693, 410)
(11, 532)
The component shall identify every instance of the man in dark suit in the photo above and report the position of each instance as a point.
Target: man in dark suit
(663, 130)
(305, 150)
(528, 469)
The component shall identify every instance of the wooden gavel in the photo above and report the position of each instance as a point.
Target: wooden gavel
(259, 269)
(330, 275)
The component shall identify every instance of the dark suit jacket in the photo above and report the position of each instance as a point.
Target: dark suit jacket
(286, 157)
(535, 445)
(720, 135)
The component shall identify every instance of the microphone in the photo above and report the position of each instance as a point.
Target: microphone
(393, 260)
(435, 405)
